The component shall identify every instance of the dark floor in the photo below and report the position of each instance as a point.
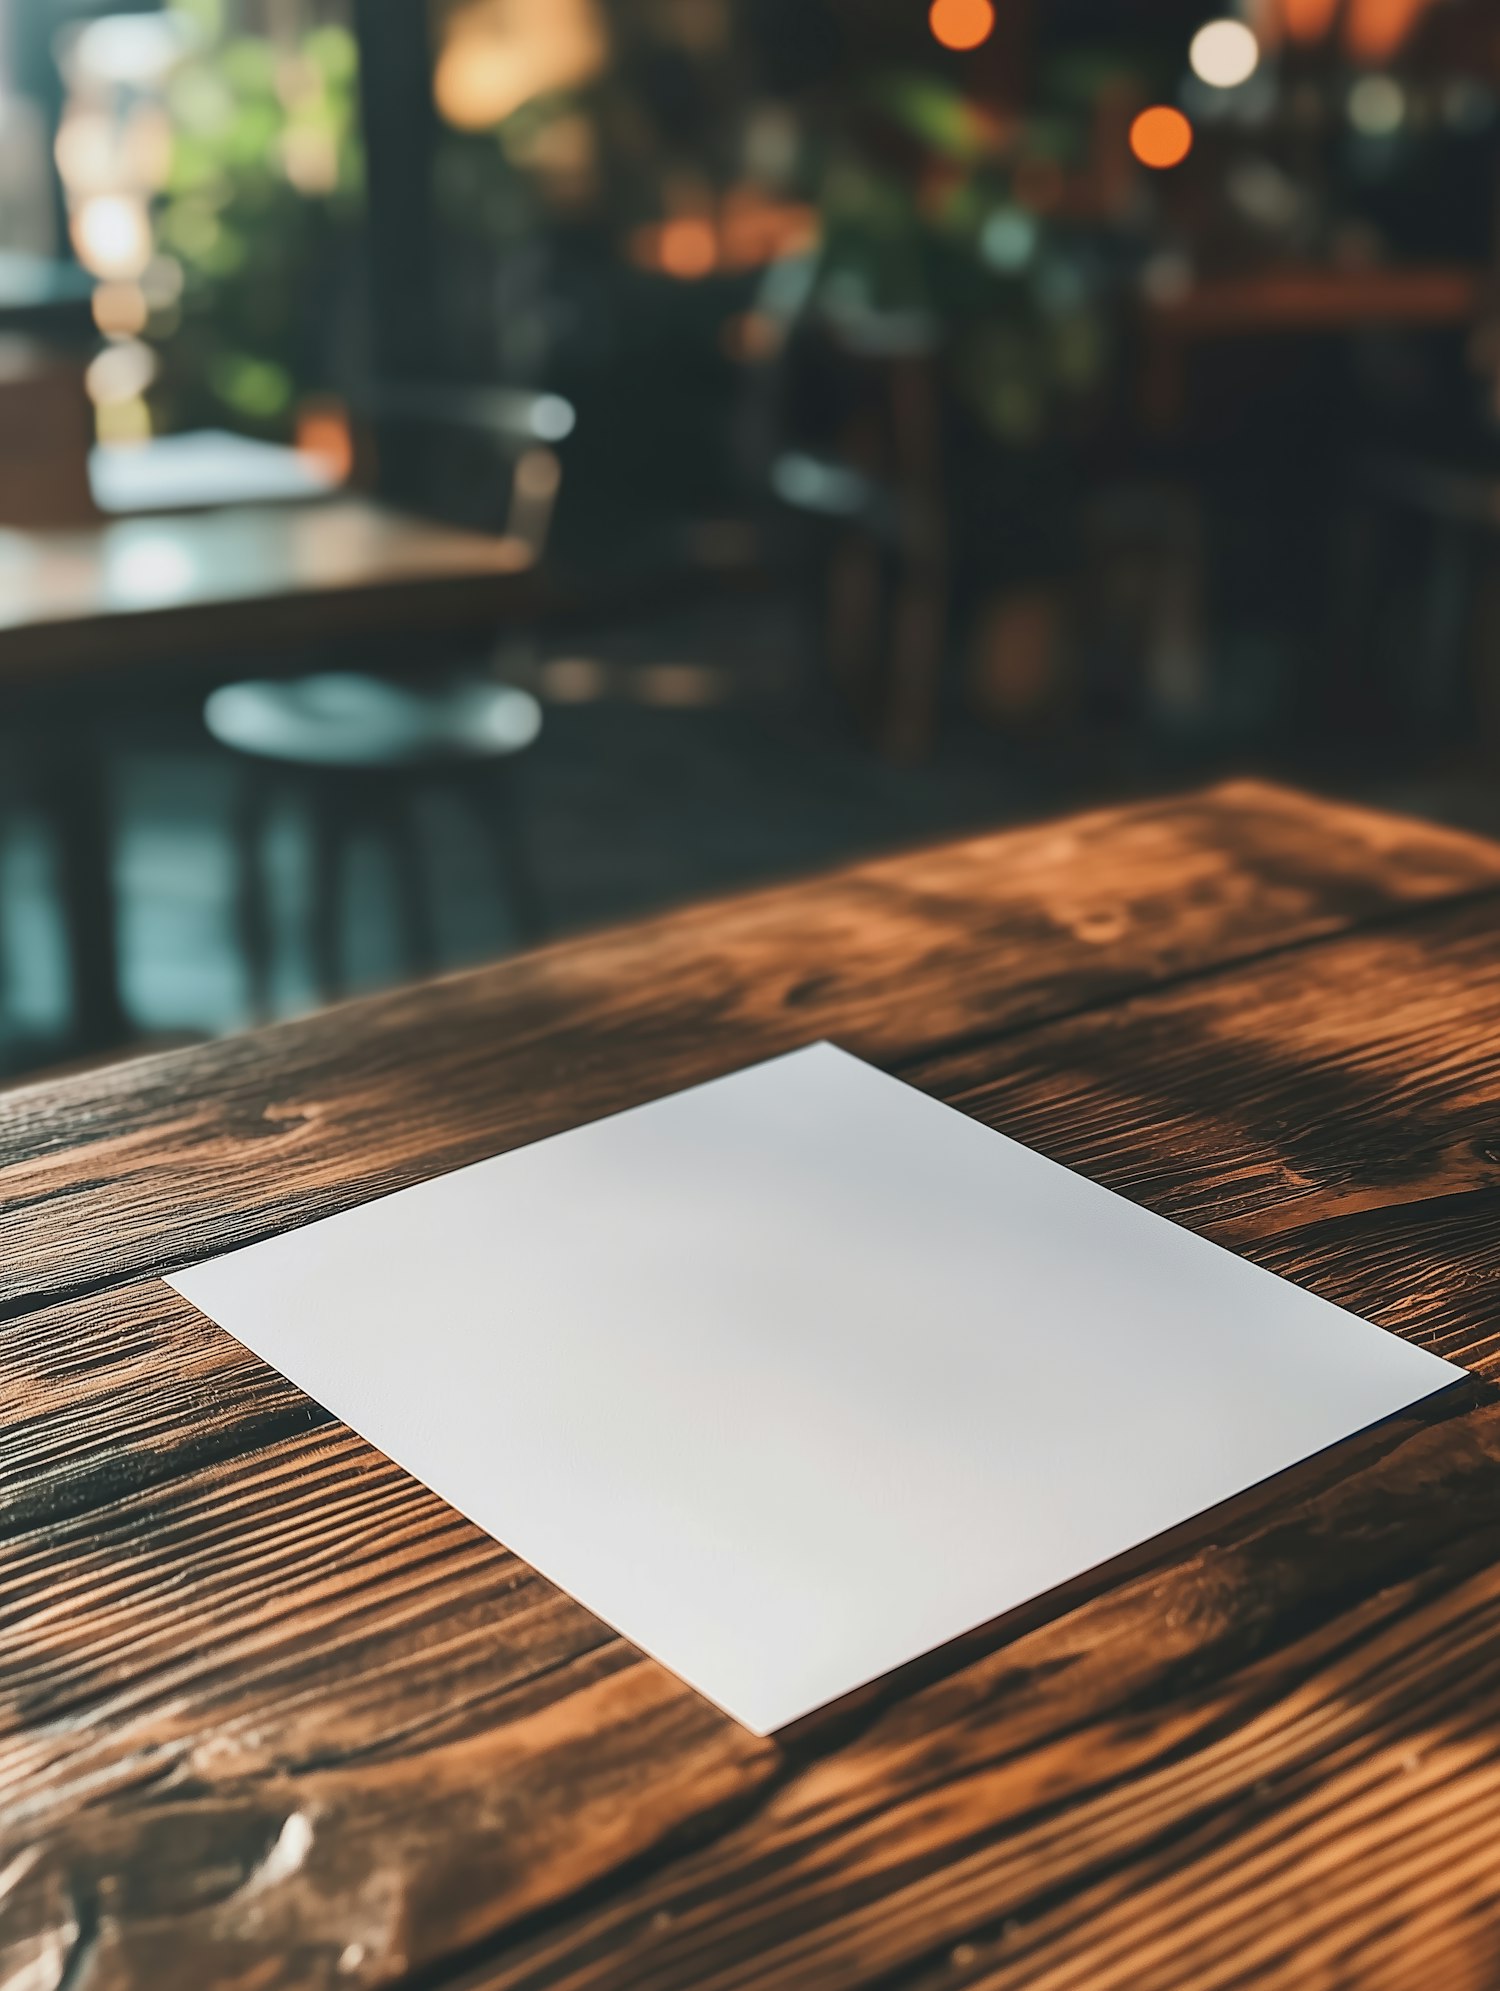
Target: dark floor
(677, 760)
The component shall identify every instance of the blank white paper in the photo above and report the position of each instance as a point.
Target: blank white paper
(794, 1376)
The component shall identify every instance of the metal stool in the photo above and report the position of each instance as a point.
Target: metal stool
(356, 751)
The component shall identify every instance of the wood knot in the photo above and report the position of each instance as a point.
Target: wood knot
(286, 1113)
(1100, 927)
(810, 989)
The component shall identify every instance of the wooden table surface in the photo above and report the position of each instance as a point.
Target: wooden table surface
(1316, 298)
(1298, 300)
(149, 591)
(270, 1713)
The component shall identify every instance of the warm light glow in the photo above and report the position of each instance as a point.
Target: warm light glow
(561, 153)
(477, 83)
(573, 680)
(500, 54)
(323, 433)
(120, 373)
(687, 247)
(534, 487)
(1161, 137)
(146, 148)
(87, 153)
(1374, 30)
(961, 23)
(1308, 20)
(682, 686)
(310, 159)
(749, 232)
(112, 235)
(754, 231)
(120, 309)
(537, 475)
(1224, 54)
(118, 423)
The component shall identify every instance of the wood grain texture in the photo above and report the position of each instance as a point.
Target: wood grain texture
(270, 1713)
(162, 1162)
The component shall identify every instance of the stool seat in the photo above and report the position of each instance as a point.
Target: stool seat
(355, 752)
(342, 719)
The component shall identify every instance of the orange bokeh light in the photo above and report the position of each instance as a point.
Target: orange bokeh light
(1374, 30)
(961, 23)
(324, 434)
(687, 247)
(1161, 137)
(1308, 20)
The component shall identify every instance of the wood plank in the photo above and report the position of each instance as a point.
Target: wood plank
(1158, 1745)
(263, 1695)
(462, 1760)
(250, 1622)
(164, 1161)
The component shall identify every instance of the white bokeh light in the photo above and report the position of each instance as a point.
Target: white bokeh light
(1224, 54)
(112, 235)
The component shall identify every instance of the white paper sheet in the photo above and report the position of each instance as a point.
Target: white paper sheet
(796, 1375)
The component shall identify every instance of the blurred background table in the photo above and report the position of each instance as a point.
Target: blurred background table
(1318, 299)
(270, 1712)
(1291, 302)
(163, 592)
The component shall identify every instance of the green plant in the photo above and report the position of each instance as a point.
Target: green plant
(258, 212)
(940, 214)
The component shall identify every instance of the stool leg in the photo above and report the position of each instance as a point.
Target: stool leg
(325, 808)
(252, 901)
(399, 834)
(493, 793)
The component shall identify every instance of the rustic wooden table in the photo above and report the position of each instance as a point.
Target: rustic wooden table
(271, 1714)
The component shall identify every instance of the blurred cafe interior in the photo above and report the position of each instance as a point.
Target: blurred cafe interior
(475, 471)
